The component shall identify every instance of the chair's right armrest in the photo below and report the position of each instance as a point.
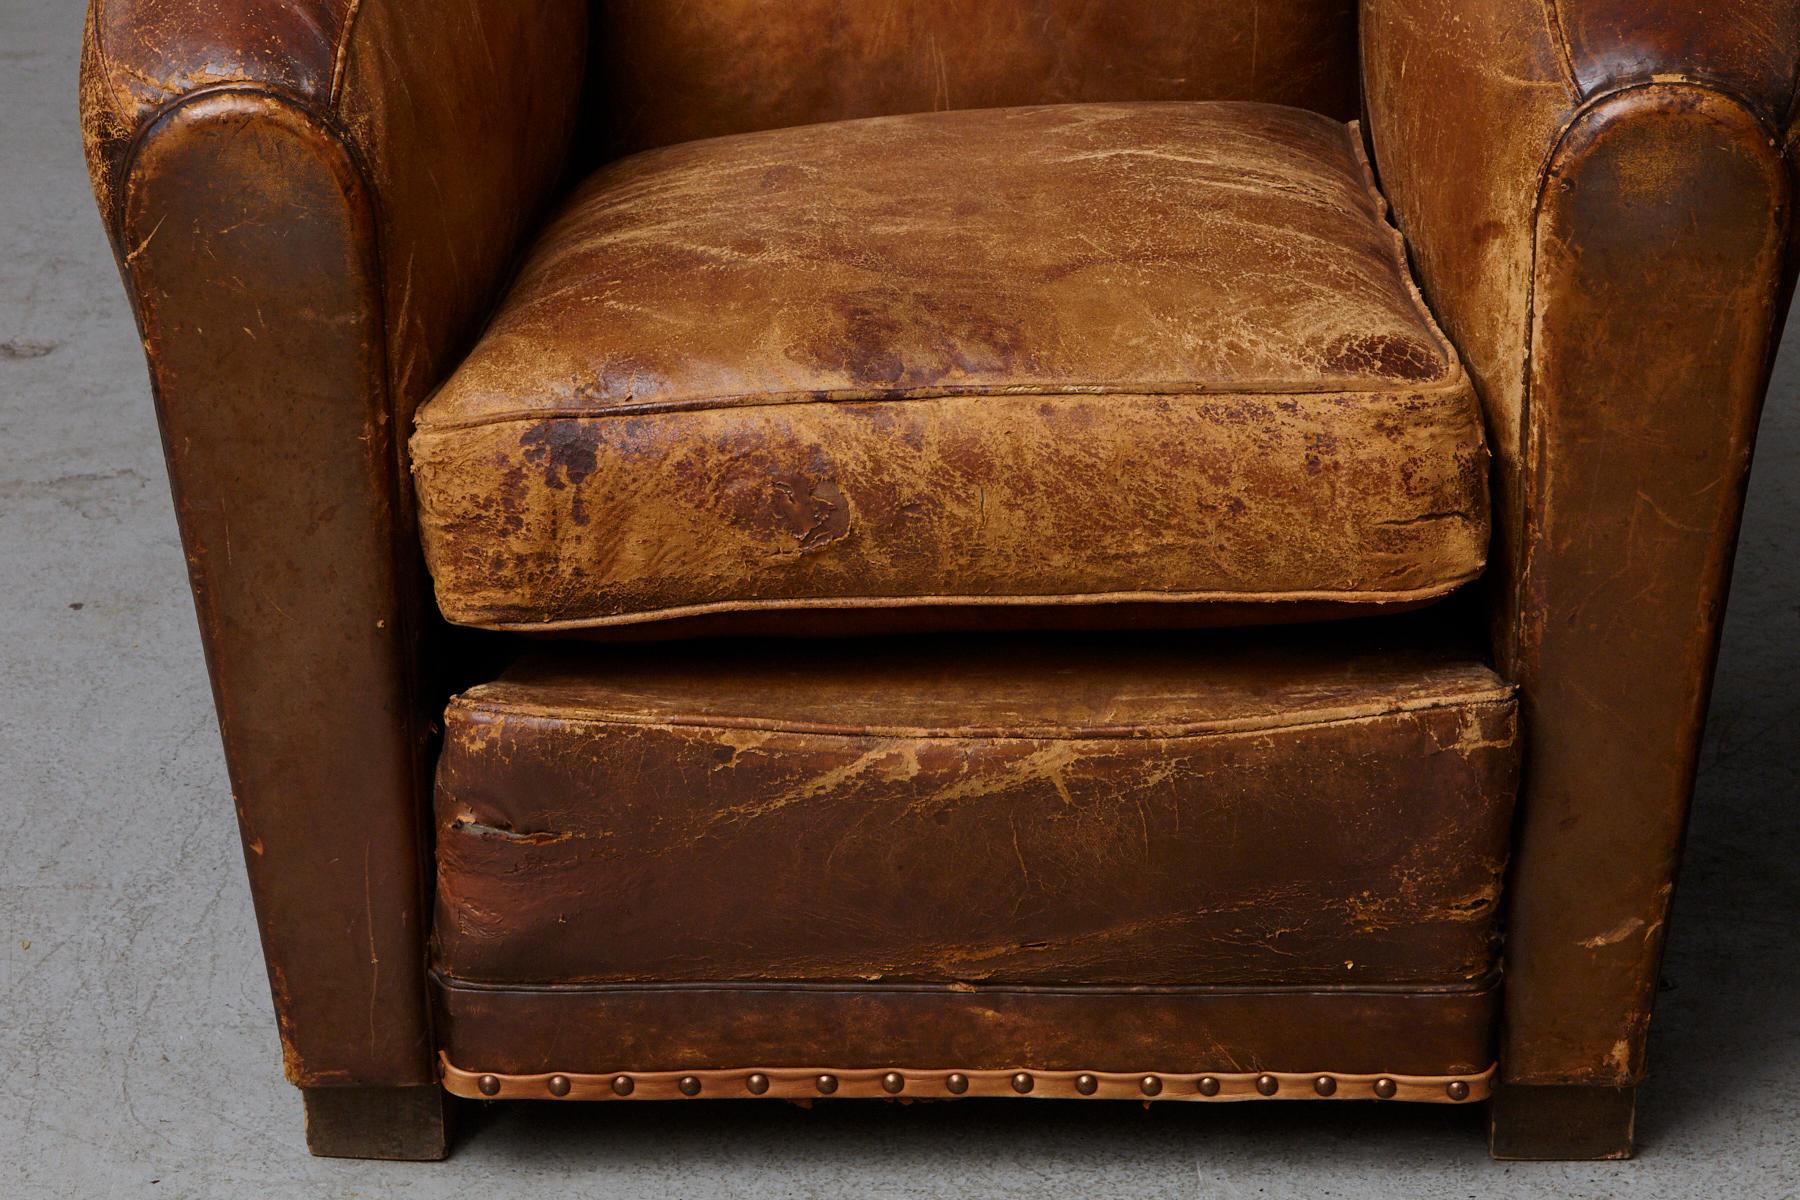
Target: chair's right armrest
(312, 203)
(1596, 196)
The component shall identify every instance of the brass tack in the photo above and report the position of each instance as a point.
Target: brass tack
(1087, 1085)
(489, 1085)
(1385, 1088)
(689, 1085)
(827, 1084)
(559, 1085)
(758, 1084)
(1268, 1085)
(1325, 1085)
(1208, 1086)
(892, 1082)
(1150, 1085)
(623, 1085)
(1023, 1082)
(1457, 1090)
(958, 1084)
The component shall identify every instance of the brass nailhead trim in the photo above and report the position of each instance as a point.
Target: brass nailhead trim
(799, 1084)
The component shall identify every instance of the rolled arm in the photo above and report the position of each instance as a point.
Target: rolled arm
(312, 202)
(1597, 198)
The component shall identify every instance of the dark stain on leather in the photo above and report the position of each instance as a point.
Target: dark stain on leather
(814, 511)
(564, 450)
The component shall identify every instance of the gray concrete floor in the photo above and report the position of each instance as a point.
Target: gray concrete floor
(137, 1050)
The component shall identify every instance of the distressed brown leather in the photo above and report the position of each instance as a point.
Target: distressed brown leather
(1051, 356)
(674, 71)
(1116, 811)
(1598, 205)
(647, 1027)
(315, 203)
(312, 203)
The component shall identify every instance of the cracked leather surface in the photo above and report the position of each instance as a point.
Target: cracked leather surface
(1062, 355)
(1118, 810)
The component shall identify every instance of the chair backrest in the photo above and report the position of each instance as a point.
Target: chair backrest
(673, 70)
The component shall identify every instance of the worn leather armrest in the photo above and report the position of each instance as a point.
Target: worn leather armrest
(1596, 195)
(455, 115)
(313, 202)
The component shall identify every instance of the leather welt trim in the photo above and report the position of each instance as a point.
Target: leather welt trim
(1350, 599)
(1498, 695)
(1453, 386)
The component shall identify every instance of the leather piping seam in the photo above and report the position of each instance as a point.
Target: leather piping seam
(878, 1083)
(1530, 467)
(340, 59)
(976, 993)
(1350, 599)
(1236, 728)
(1447, 389)
(1558, 30)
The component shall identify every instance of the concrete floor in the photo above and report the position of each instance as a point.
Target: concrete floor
(137, 1050)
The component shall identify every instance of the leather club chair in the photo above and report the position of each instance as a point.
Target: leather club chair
(794, 549)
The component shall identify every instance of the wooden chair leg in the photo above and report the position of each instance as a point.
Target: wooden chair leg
(1531, 1123)
(406, 1124)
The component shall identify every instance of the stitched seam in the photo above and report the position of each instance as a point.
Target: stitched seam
(1478, 986)
(1565, 50)
(1383, 214)
(340, 60)
(1229, 728)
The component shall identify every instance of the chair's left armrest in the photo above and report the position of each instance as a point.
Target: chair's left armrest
(313, 202)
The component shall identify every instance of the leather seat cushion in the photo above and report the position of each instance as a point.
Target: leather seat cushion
(1276, 807)
(1162, 353)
